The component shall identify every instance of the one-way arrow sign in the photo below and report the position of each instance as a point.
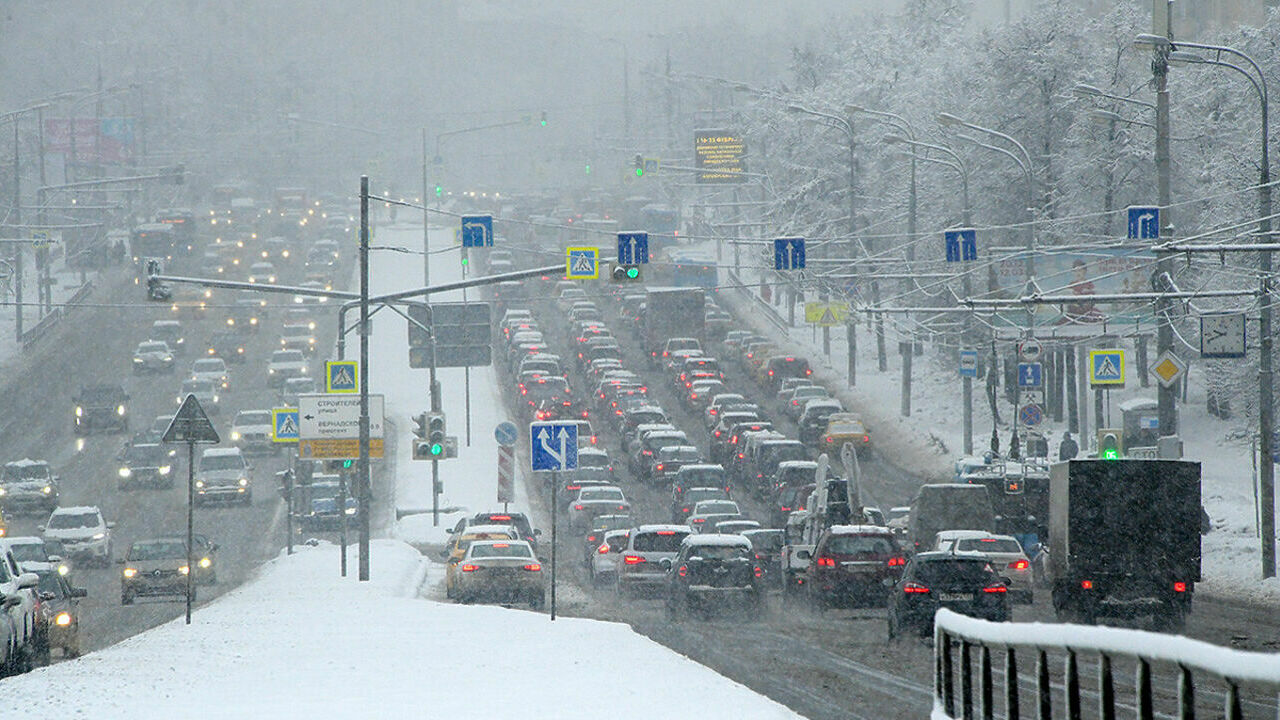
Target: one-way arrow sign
(191, 424)
(633, 248)
(553, 446)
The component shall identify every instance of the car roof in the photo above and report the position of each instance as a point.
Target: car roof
(26, 462)
(662, 527)
(77, 510)
(859, 530)
(220, 452)
(700, 466)
(722, 540)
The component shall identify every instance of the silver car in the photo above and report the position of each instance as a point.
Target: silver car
(153, 356)
(647, 556)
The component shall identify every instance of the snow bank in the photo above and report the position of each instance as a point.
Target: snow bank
(301, 642)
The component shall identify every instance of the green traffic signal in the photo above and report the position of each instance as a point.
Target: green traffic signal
(543, 122)
(639, 171)
(1110, 454)
(436, 449)
(439, 191)
(346, 464)
(588, 169)
(633, 273)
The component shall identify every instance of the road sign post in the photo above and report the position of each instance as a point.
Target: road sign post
(191, 425)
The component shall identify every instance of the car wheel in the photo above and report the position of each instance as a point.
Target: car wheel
(72, 650)
(537, 601)
(126, 599)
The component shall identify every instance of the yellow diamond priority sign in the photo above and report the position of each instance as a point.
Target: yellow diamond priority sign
(1169, 368)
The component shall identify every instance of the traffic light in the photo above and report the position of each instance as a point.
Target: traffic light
(439, 190)
(157, 290)
(639, 165)
(543, 121)
(1110, 443)
(626, 273)
(588, 169)
(435, 435)
(422, 436)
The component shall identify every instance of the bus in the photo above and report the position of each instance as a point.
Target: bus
(152, 240)
(689, 271)
(183, 222)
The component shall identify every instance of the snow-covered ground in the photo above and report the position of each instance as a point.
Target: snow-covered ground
(65, 284)
(301, 642)
(1232, 564)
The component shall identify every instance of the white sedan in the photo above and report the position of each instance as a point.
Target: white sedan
(593, 500)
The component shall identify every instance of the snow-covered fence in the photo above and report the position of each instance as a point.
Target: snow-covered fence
(1207, 677)
(757, 304)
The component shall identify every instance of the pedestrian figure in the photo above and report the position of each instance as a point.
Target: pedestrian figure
(1068, 449)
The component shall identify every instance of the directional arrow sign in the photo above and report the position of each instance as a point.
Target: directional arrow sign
(788, 253)
(553, 446)
(322, 417)
(1144, 223)
(961, 244)
(477, 231)
(633, 248)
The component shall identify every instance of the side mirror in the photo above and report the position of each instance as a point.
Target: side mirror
(111, 525)
(536, 531)
(804, 555)
(29, 580)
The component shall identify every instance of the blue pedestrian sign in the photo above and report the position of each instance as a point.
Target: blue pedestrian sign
(1144, 223)
(553, 445)
(284, 424)
(961, 244)
(969, 363)
(633, 248)
(1030, 375)
(505, 434)
(788, 253)
(477, 231)
(1106, 368)
(341, 376)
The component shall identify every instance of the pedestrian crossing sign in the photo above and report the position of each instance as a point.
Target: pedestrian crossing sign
(284, 424)
(1106, 368)
(582, 263)
(340, 376)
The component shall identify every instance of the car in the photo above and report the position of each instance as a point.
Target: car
(32, 554)
(19, 612)
(601, 524)
(145, 464)
(152, 356)
(603, 559)
(226, 345)
(298, 337)
(309, 299)
(813, 419)
(28, 485)
(251, 431)
(82, 532)
(285, 365)
(300, 316)
(682, 504)
(518, 520)
(641, 461)
(734, 527)
(668, 461)
(155, 567)
(705, 510)
(322, 501)
(700, 393)
(58, 615)
(767, 543)
(851, 565)
(206, 557)
(205, 391)
(795, 403)
(715, 572)
(170, 333)
(214, 369)
(962, 582)
(223, 475)
(460, 541)
(293, 387)
(647, 557)
(246, 316)
(593, 500)
(675, 345)
(845, 428)
(1002, 551)
(503, 570)
(101, 407)
(779, 367)
(262, 272)
(711, 414)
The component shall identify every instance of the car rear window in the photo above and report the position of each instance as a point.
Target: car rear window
(955, 571)
(495, 550)
(860, 545)
(766, 540)
(659, 541)
(694, 495)
(725, 506)
(993, 545)
(719, 552)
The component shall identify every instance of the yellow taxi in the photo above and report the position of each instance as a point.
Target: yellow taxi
(845, 428)
(462, 540)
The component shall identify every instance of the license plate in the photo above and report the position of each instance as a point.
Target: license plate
(955, 597)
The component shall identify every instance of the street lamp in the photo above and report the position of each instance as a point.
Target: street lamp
(903, 126)
(1084, 90)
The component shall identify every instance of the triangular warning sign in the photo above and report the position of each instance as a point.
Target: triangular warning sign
(1106, 369)
(191, 424)
(582, 265)
(828, 318)
(288, 428)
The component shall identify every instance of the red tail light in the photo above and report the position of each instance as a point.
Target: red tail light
(785, 509)
(866, 438)
(577, 507)
(591, 538)
(470, 568)
(603, 549)
(714, 411)
(533, 567)
(1179, 586)
(683, 571)
(685, 510)
(699, 520)
(666, 532)
(896, 562)
(770, 373)
(808, 372)
(830, 438)
(1086, 584)
(914, 588)
(632, 559)
(826, 562)
(995, 589)
(574, 487)
(658, 467)
(759, 572)
(1019, 565)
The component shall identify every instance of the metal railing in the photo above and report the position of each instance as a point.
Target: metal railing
(1174, 677)
(756, 301)
(37, 332)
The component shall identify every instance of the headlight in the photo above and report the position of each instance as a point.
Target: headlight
(351, 511)
(205, 562)
(79, 411)
(2, 492)
(62, 619)
(63, 569)
(130, 572)
(138, 360)
(284, 253)
(199, 483)
(234, 436)
(184, 569)
(99, 536)
(125, 472)
(304, 370)
(164, 469)
(271, 371)
(253, 321)
(46, 489)
(244, 482)
(120, 410)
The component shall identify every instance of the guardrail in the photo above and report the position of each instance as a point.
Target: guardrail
(37, 332)
(759, 304)
(1235, 679)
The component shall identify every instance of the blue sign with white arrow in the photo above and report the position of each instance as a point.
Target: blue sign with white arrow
(553, 446)
(961, 244)
(633, 248)
(1030, 375)
(1144, 223)
(788, 253)
(477, 231)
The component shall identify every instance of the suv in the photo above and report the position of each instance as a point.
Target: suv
(251, 431)
(169, 332)
(715, 570)
(18, 600)
(850, 564)
(28, 485)
(519, 521)
(780, 367)
(81, 531)
(683, 501)
(155, 567)
(966, 584)
(285, 365)
(145, 464)
(227, 345)
(647, 556)
(223, 475)
(101, 406)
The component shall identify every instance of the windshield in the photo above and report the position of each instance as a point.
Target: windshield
(50, 582)
(253, 417)
(209, 366)
(660, 541)
(72, 520)
(29, 552)
(36, 471)
(158, 550)
(719, 552)
(100, 394)
(989, 545)
(143, 453)
(300, 385)
(766, 540)
(153, 347)
(221, 462)
(501, 550)
(197, 386)
(286, 356)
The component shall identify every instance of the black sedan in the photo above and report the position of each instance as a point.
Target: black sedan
(932, 580)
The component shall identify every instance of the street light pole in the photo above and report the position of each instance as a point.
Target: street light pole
(363, 489)
(426, 203)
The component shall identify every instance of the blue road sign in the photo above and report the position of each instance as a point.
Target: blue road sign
(1106, 367)
(969, 363)
(788, 253)
(284, 424)
(1030, 375)
(961, 244)
(633, 248)
(341, 376)
(1030, 415)
(477, 231)
(505, 433)
(553, 446)
(1144, 223)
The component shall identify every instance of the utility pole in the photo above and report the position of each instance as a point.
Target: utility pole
(363, 483)
(426, 202)
(1162, 25)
